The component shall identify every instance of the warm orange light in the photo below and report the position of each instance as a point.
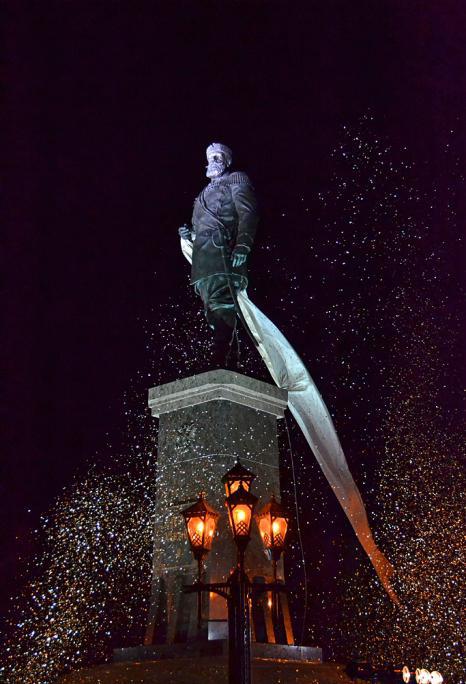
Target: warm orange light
(201, 520)
(240, 504)
(237, 477)
(436, 677)
(195, 531)
(234, 486)
(406, 674)
(264, 529)
(269, 603)
(241, 519)
(273, 526)
(211, 522)
(279, 529)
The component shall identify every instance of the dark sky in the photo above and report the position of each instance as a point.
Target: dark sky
(108, 107)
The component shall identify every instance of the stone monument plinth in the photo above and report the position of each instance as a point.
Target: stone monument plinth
(207, 422)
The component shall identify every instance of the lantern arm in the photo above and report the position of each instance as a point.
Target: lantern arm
(220, 588)
(224, 588)
(261, 587)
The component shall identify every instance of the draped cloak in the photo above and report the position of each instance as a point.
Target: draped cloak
(312, 416)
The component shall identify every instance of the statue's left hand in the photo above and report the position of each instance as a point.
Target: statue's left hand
(184, 232)
(239, 256)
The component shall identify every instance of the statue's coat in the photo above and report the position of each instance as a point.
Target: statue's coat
(225, 214)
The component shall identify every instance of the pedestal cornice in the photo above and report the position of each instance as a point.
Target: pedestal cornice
(215, 385)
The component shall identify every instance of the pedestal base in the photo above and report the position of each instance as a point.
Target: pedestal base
(216, 647)
(207, 422)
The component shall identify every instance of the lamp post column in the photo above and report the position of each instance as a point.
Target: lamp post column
(201, 519)
(275, 611)
(240, 503)
(199, 597)
(239, 665)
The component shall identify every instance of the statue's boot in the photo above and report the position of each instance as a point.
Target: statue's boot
(223, 324)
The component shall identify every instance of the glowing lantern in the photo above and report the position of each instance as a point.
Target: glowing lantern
(201, 520)
(422, 676)
(273, 526)
(436, 677)
(406, 674)
(236, 477)
(240, 504)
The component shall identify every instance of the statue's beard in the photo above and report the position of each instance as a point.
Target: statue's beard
(215, 169)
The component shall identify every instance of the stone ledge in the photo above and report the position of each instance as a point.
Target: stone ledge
(216, 647)
(218, 385)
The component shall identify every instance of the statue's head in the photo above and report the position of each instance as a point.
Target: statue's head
(219, 158)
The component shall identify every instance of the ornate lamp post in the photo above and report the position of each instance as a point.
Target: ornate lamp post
(200, 521)
(240, 507)
(273, 526)
(240, 504)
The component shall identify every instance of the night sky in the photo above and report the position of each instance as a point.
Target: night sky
(108, 108)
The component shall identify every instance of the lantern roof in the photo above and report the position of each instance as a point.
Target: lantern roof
(274, 508)
(241, 496)
(199, 508)
(238, 472)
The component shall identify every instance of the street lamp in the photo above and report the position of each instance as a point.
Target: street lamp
(422, 676)
(436, 677)
(240, 505)
(201, 520)
(273, 526)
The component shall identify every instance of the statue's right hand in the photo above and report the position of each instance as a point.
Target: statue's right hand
(184, 232)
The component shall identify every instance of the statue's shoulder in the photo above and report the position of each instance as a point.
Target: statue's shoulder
(238, 178)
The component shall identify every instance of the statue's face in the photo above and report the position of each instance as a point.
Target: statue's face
(216, 165)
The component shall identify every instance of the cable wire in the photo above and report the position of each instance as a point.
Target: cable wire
(298, 527)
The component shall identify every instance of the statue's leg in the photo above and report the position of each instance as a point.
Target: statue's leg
(220, 312)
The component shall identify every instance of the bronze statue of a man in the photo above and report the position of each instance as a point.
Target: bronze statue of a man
(223, 228)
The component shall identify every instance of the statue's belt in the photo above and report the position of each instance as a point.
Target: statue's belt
(209, 232)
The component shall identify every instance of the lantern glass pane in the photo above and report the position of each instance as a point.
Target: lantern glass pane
(279, 529)
(406, 674)
(209, 532)
(264, 529)
(235, 485)
(241, 520)
(424, 676)
(196, 531)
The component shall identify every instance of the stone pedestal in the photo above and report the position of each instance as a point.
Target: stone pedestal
(206, 422)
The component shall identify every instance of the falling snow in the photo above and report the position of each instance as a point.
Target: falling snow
(370, 301)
